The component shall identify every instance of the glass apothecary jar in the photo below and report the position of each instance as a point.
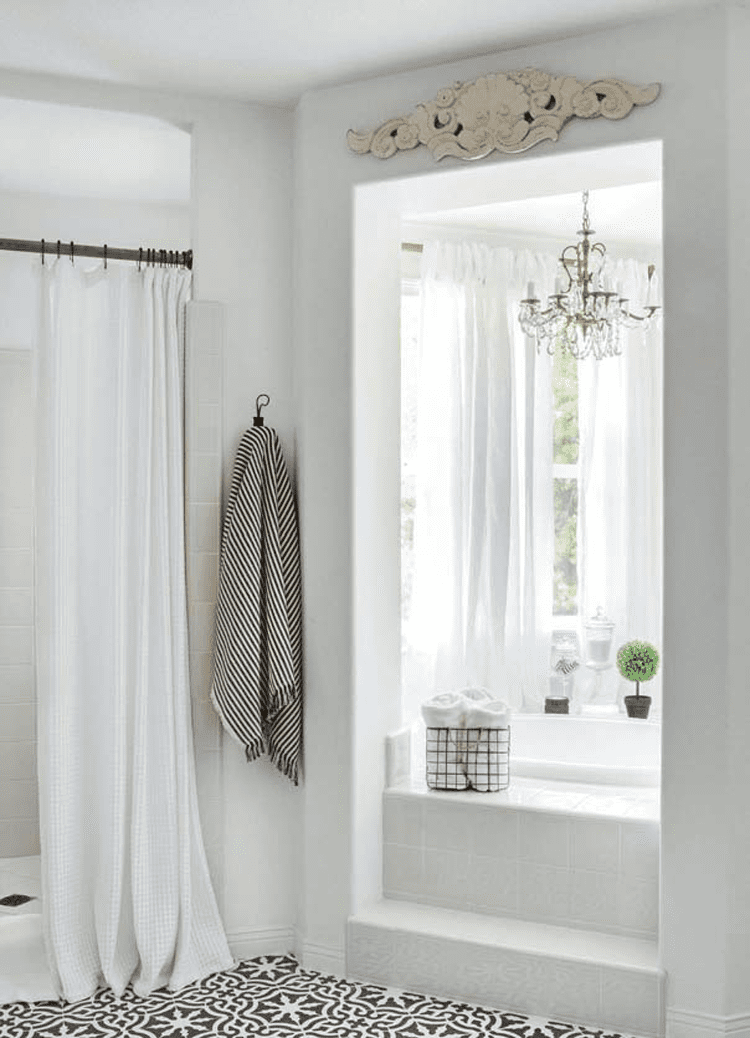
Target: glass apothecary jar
(598, 632)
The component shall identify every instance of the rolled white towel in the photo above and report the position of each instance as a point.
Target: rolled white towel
(446, 751)
(445, 710)
(491, 714)
(487, 749)
(477, 695)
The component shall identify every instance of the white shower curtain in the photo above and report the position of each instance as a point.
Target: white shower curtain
(483, 533)
(127, 895)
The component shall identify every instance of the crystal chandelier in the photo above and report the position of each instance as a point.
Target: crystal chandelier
(586, 314)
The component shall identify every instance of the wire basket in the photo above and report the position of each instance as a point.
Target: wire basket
(468, 758)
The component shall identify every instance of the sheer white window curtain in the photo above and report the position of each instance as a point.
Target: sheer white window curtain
(481, 608)
(620, 508)
(483, 533)
(126, 890)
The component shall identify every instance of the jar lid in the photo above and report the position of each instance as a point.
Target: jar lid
(601, 621)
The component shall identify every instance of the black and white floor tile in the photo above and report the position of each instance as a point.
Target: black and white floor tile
(273, 997)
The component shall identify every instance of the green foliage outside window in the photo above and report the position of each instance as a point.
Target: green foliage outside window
(565, 574)
(565, 452)
(565, 397)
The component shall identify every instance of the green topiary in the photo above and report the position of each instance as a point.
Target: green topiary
(637, 661)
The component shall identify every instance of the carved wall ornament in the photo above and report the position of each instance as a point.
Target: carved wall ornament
(507, 112)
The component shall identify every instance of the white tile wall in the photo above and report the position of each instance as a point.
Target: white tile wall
(495, 833)
(403, 870)
(19, 810)
(593, 896)
(571, 870)
(494, 885)
(544, 893)
(445, 877)
(16, 568)
(203, 435)
(630, 996)
(446, 825)
(595, 845)
(543, 839)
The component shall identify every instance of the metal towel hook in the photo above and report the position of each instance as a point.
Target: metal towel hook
(258, 420)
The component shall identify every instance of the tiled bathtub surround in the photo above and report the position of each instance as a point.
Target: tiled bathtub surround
(600, 980)
(521, 861)
(19, 811)
(542, 898)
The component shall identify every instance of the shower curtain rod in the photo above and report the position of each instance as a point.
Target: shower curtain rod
(154, 257)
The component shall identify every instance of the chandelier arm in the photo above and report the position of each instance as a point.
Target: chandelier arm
(645, 317)
(576, 257)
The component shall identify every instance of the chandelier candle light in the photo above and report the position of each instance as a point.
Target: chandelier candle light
(586, 312)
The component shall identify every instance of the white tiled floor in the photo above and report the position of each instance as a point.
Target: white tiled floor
(24, 975)
(21, 876)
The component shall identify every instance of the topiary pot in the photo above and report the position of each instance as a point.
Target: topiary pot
(637, 706)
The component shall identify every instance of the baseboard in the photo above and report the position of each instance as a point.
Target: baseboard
(261, 940)
(684, 1023)
(322, 959)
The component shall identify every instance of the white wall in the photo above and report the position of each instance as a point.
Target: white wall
(88, 221)
(242, 243)
(738, 726)
(347, 398)
(240, 231)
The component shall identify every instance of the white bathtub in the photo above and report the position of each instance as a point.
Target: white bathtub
(612, 751)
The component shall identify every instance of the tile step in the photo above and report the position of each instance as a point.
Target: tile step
(588, 978)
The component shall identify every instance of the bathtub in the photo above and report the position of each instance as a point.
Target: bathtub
(607, 750)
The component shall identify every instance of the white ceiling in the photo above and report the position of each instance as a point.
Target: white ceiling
(274, 51)
(82, 152)
(628, 214)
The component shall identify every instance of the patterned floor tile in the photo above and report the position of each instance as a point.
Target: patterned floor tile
(273, 997)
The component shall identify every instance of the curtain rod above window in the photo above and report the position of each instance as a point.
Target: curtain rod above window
(152, 257)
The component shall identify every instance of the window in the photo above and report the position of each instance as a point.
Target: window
(510, 552)
(566, 475)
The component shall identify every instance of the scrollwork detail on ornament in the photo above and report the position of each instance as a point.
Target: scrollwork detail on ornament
(508, 112)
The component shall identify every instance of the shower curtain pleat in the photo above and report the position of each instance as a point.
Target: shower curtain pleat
(127, 896)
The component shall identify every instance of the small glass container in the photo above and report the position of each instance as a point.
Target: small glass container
(599, 630)
(564, 662)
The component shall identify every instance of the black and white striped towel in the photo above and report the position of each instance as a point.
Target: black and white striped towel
(257, 686)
